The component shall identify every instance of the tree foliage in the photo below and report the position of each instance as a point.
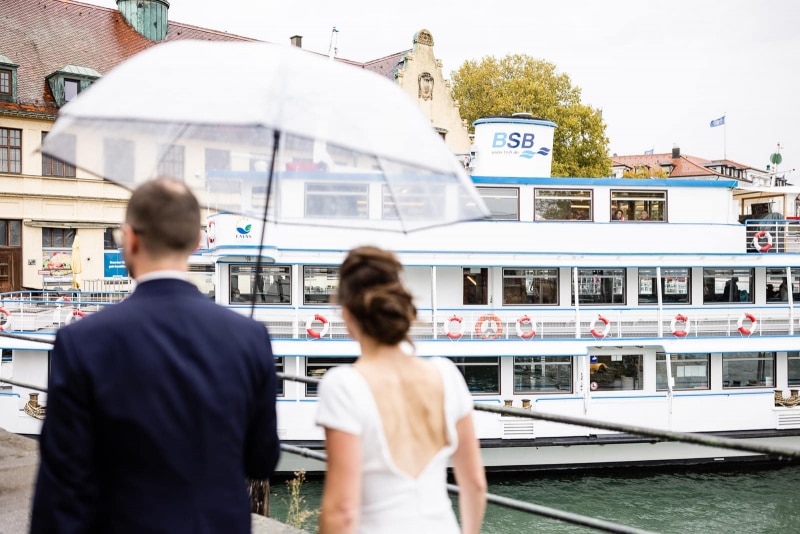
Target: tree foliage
(643, 171)
(519, 83)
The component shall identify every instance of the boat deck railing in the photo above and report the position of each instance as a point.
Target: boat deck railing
(772, 236)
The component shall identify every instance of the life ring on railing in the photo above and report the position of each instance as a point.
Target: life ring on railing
(75, 315)
(607, 327)
(674, 325)
(593, 386)
(485, 322)
(449, 333)
(7, 324)
(753, 321)
(310, 324)
(757, 241)
(526, 320)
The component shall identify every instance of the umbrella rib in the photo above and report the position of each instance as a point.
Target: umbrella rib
(275, 143)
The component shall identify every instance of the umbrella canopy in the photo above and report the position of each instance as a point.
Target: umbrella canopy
(268, 131)
(77, 265)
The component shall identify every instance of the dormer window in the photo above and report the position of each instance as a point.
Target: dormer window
(5, 82)
(8, 80)
(68, 81)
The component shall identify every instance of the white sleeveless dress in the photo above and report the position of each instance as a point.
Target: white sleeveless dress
(391, 501)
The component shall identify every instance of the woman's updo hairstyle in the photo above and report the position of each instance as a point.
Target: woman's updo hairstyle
(370, 289)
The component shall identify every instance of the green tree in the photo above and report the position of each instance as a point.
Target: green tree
(643, 171)
(519, 83)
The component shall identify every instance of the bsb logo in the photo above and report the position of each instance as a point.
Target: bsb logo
(243, 227)
(515, 140)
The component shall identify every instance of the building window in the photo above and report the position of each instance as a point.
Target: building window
(218, 160)
(689, 371)
(10, 233)
(640, 205)
(5, 82)
(794, 368)
(615, 371)
(119, 161)
(57, 252)
(57, 237)
(562, 204)
(409, 202)
(171, 161)
(530, 286)
(600, 286)
(320, 284)
(476, 285)
(316, 367)
(503, 202)
(11, 150)
(748, 369)
(109, 243)
(272, 285)
(727, 285)
(543, 374)
(55, 167)
(676, 286)
(71, 89)
(778, 288)
(337, 200)
(482, 373)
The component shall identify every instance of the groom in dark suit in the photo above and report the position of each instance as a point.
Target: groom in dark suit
(161, 406)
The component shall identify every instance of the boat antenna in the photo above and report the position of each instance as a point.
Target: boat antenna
(333, 46)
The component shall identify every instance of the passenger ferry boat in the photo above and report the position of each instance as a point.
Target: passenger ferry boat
(677, 317)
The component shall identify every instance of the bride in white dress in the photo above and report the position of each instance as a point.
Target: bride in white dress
(392, 420)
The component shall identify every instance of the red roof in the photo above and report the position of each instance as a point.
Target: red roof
(682, 167)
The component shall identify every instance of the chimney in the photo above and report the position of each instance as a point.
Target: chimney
(676, 151)
(296, 40)
(147, 17)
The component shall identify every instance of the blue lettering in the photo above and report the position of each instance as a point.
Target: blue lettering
(513, 140)
(499, 140)
(527, 140)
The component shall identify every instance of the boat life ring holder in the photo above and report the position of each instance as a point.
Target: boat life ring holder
(75, 315)
(757, 241)
(674, 325)
(489, 326)
(528, 321)
(606, 328)
(310, 326)
(740, 325)
(6, 326)
(450, 333)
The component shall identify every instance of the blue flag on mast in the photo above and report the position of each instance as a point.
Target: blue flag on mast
(718, 122)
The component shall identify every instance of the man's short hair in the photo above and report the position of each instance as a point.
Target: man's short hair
(165, 215)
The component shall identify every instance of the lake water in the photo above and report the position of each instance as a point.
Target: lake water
(730, 501)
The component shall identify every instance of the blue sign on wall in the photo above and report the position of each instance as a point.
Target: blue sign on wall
(113, 264)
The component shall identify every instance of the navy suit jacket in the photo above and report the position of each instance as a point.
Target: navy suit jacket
(158, 408)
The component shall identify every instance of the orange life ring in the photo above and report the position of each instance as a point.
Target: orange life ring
(680, 319)
(449, 333)
(310, 323)
(607, 327)
(75, 315)
(753, 320)
(483, 324)
(757, 241)
(526, 320)
(6, 325)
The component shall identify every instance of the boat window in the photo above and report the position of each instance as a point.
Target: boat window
(689, 371)
(320, 284)
(615, 371)
(503, 202)
(748, 369)
(413, 201)
(476, 283)
(777, 287)
(337, 200)
(543, 374)
(317, 367)
(600, 286)
(203, 277)
(530, 286)
(727, 285)
(794, 368)
(482, 374)
(272, 285)
(562, 204)
(279, 366)
(676, 286)
(645, 206)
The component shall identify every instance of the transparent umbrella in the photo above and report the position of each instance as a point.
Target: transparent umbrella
(273, 132)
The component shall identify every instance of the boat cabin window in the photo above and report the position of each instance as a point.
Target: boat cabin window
(476, 284)
(600, 286)
(543, 374)
(748, 369)
(337, 200)
(530, 286)
(615, 371)
(481, 373)
(794, 368)
(279, 366)
(503, 202)
(689, 371)
(727, 285)
(642, 206)
(316, 367)
(320, 284)
(272, 285)
(203, 277)
(778, 286)
(413, 201)
(562, 204)
(676, 286)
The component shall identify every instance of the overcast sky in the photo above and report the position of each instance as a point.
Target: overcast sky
(659, 70)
